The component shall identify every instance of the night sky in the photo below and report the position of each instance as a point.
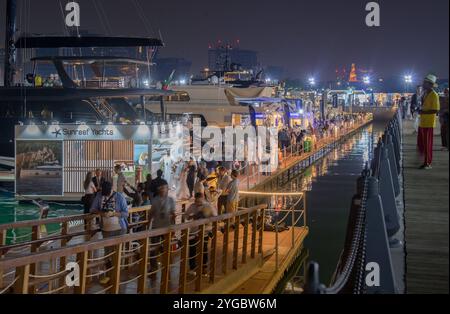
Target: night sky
(305, 37)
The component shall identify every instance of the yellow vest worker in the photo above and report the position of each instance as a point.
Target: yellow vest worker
(430, 108)
(430, 102)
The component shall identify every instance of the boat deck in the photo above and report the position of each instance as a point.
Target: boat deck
(426, 217)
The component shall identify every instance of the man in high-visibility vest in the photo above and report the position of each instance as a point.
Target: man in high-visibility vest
(428, 115)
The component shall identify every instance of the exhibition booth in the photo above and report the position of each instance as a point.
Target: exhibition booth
(53, 160)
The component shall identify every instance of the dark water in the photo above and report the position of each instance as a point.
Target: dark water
(47, 186)
(13, 211)
(330, 185)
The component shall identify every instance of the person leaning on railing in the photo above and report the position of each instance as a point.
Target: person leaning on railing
(113, 210)
(162, 215)
(222, 185)
(200, 209)
(233, 193)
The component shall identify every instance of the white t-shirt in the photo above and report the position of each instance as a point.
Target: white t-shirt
(91, 189)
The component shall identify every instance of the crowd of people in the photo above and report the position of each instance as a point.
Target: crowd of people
(210, 193)
(52, 80)
(209, 188)
(319, 129)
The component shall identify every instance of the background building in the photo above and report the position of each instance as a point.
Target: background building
(221, 57)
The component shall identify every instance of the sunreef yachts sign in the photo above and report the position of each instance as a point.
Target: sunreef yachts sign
(84, 132)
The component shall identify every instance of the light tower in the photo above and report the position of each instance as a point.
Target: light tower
(353, 78)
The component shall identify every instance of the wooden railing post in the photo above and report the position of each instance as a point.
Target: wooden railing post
(82, 259)
(212, 257)
(143, 266)
(245, 240)
(226, 237)
(237, 223)
(88, 223)
(34, 248)
(21, 285)
(200, 252)
(293, 227)
(166, 263)
(254, 231)
(184, 260)
(63, 260)
(261, 231)
(117, 261)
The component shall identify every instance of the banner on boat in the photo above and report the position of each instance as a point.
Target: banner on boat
(39, 168)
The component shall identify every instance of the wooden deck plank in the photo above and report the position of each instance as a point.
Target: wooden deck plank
(426, 218)
(266, 279)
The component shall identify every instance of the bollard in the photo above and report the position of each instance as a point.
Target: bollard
(388, 198)
(377, 248)
(397, 145)
(313, 285)
(399, 125)
(375, 164)
(397, 133)
(397, 149)
(395, 171)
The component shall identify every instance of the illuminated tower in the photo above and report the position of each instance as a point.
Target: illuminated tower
(353, 76)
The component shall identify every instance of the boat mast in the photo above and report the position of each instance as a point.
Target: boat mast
(10, 51)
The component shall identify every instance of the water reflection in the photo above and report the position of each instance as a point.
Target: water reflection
(330, 185)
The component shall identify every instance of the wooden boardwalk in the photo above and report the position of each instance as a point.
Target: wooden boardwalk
(267, 277)
(426, 217)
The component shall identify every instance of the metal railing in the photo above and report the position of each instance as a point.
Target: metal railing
(285, 213)
(373, 223)
(183, 258)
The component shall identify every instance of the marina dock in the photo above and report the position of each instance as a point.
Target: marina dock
(426, 217)
(183, 149)
(243, 260)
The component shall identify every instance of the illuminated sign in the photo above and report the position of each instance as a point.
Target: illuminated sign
(84, 132)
